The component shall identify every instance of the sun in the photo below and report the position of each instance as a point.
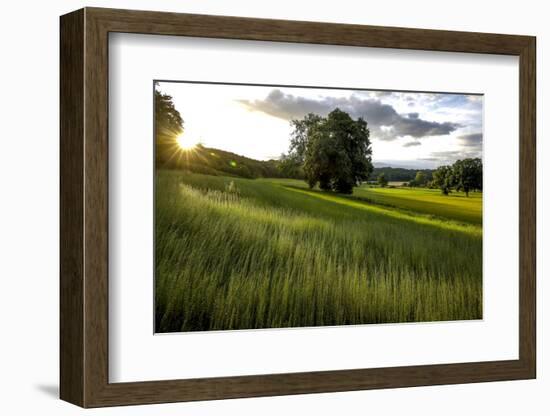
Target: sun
(186, 143)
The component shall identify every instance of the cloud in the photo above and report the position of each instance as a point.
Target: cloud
(450, 156)
(446, 154)
(470, 147)
(471, 140)
(411, 144)
(384, 121)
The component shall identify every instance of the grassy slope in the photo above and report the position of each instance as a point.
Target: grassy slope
(455, 206)
(430, 201)
(216, 162)
(275, 254)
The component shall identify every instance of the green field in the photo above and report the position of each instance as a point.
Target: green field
(454, 206)
(234, 253)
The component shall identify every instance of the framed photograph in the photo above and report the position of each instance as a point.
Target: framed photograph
(255, 207)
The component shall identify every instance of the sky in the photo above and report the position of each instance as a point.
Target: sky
(407, 129)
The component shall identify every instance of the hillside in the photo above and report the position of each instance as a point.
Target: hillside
(210, 161)
(216, 162)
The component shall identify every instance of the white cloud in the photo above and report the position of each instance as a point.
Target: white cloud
(415, 129)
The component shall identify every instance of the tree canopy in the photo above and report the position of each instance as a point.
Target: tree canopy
(443, 179)
(464, 175)
(334, 151)
(420, 178)
(168, 126)
(468, 175)
(168, 121)
(382, 181)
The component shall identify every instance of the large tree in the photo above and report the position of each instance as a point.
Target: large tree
(443, 178)
(302, 131)
(290, 166)
(335, 151)
(168, 126)
(468, 174)
(168, 121)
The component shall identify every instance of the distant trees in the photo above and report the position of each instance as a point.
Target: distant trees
(420, 178)
(396, 174)
(333, 151)
(468, 175)
(464, 175)
(382, 181)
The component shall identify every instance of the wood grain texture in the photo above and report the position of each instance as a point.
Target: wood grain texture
(162, 23)
(528, 207)
(96, 219)
(84, 204)
(71, 213)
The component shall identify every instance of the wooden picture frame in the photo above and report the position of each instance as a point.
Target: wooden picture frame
(84, 207)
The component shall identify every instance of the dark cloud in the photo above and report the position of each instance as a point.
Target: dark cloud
(471, 147)
(384, 121)
(411, 144)
(471, 140)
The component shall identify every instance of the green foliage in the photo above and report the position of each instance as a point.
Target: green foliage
(290, 166)
(168, 126)
(456, 207)
(168, 121)
(302, 129)
(468, 175)
(209, 161)
(398, 174)
(334, 151)
(420, 178)
(233, 253)
(443, 178)
(382, 181)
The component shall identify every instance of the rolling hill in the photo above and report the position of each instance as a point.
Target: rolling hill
(210, 161)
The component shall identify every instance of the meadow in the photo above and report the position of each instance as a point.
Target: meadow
(236, 253)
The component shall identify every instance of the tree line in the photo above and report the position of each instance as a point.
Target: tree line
(394, 174)
(464, 175)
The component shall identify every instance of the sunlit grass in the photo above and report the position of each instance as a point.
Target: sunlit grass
(455, 206)
(430, 201)
(235, 253)
(404, 214)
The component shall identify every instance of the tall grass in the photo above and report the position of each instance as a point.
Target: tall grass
(236, 253)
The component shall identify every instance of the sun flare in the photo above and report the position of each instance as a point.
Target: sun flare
(186, 143)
